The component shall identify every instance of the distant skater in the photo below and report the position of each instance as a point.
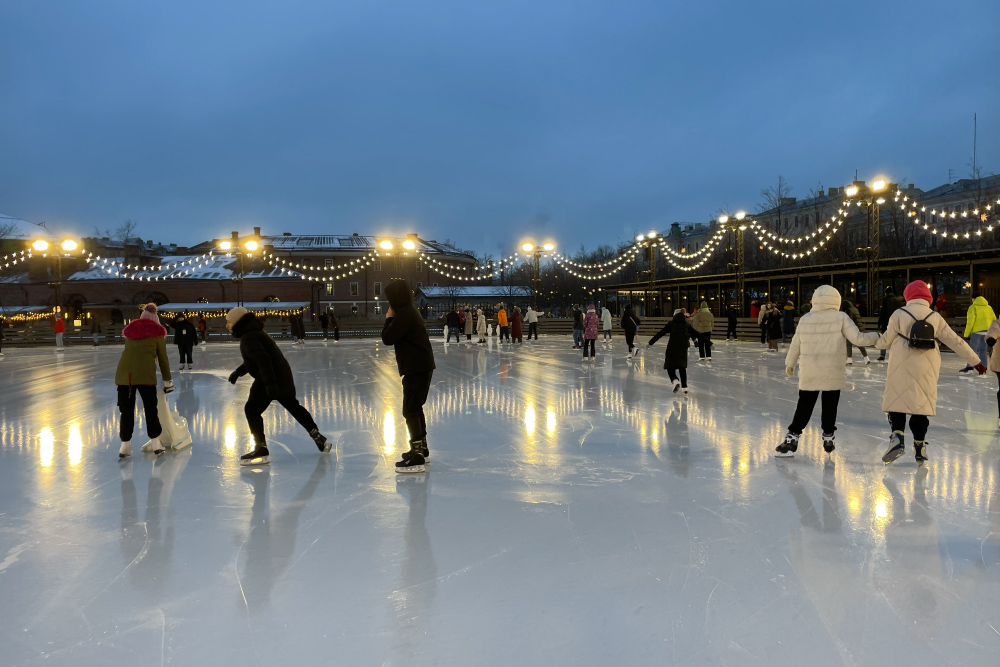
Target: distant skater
(145, 346)
(702, 322)
(852, 312)
(515, 326)
(732, 320)
(675, 362)
(606, 323)
(992, 336)
(185, 338)
(532, 318)
(590, 333)
(481, 325)
(630, 325)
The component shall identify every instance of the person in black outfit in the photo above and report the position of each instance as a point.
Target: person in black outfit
(890, 304)
(676, 360)
(185, 338)
(324, 323)
(272, 381)
(630, 324)
(732, 319)
(336, 326)
(404, 329)
(454, 323)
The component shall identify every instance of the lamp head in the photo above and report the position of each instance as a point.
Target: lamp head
(69, 245)
(251, 245)
(527, 247)
(385, 245)
(740, 215)
(549, 247)
(409, 245)
(851, 190)
(41, 245)
(878, 185)
(723, 219)
(225, 245)
(640, 237)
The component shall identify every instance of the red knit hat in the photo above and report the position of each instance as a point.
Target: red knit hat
(918, 290)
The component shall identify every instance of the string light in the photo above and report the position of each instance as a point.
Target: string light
(981, 215)
(14, 258)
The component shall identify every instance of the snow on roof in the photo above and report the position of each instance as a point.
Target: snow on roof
(229, 305)
(189, 267)
(19, 310)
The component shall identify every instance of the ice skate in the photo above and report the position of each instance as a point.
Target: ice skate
(896, 448)
(411, 464)
(685, 391)
(125, 451)
(828, 445)
(850, 362)
(868, 361)
(788, 446)
(322, 443)
(920, 450)
(677, 385)
(258, 457)
(420, 447)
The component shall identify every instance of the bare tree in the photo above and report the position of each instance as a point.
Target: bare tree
(8, 229)
(774, 200)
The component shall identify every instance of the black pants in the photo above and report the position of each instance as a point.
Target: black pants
(705, 345)
(505, 333)
(731, 332)
(683, 372)
(326, 333)
(918, 424)
(630, 340)
(998, 391)
(204, 335)
(126, 405)
(763, 334)
(468, 336)
(589, 342)
(415, 386)
(532, 329)
(257, 403)
(185, 352)
(804, 410)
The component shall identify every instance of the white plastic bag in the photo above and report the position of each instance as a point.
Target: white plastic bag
(176, 434)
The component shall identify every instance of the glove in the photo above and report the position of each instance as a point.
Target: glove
(980, 369)
(790, 371)
(273, 391)
(233, 377)
(168, 385)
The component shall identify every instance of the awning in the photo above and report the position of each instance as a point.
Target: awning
(22, 310)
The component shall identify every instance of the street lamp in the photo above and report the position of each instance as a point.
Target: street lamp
(239, 244)
(536, 253)
(739, 266)
(872, 251)
(66, 249)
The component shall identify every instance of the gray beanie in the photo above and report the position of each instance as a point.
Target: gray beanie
(234, 315)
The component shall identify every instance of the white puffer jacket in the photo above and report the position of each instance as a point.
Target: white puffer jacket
(912, 379)
(820, 340)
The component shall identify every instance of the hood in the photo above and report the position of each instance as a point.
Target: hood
(918, 290)
(248, 322)
(398, 294)
(826, 297)
(845, 306)
(139, 329)
(680, 317)
(591, 309)
(704, 305)
(980, 301)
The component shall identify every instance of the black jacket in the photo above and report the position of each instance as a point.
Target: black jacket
(577, 319)
(677, 344)
(453, 320)
(890, 304)
(630, 323)
(772, 325)
(261, 357)
(324, 321)
(849, 308)
(406, 332)
(733, 317)
(185, 334)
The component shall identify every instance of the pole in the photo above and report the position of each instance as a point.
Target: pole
(741, 275)
(536, 279)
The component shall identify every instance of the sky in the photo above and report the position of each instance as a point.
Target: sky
(484, 123)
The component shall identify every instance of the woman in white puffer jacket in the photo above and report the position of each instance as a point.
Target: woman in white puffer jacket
(818, 347)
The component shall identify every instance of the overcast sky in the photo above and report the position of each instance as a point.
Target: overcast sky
(482, 122)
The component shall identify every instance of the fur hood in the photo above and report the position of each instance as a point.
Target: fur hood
(139, 329)
(247, 323)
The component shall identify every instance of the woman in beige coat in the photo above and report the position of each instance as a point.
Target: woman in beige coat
(911, 381)
(992, 336)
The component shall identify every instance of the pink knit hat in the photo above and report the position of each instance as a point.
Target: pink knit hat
(918, 290)
(149, 313)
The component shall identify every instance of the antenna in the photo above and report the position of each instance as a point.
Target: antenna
(950, 174)
(975, 127)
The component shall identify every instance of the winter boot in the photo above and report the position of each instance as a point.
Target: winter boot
(896, 448)
(828, 445)
(920, 450)
(418, 447)
(677, 385)
(258, 457)
(322, 443)
(788, 446)
(125, 451)
(410, 462)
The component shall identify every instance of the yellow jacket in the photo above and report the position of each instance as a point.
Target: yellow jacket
(979, 317)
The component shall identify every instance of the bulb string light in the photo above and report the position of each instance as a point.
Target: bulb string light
(353, 267)
(119, 269)
(15, 258)
(624, 260)
(825, 233)
(977, 214)
(324, 270)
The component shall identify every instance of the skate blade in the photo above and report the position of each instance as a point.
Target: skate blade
(327, 448)
(784, 455)
(892, 456)
(258, 461)
(410, 469)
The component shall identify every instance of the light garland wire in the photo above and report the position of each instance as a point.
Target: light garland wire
(325, 270)
(121, 270)
(15, 258)
(766, 236)
(983, 216)
(624, 259)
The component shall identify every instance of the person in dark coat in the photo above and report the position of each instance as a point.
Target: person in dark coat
(324, 324)
(772, 326)
(732, 320)
(891, 302)
(515, 326)
(203, 328)
(272, 381)
(185, 338)
(630, 325)
(848, 307)
(454, 323)
(404, 329)
(675, 362)
(578, 328)
(788, 321)
(300, 328)
(335, 325)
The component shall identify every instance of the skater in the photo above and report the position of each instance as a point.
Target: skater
(852, 312)
(577, 328)
(911, 381)
(977, 321)
(732, 320)
(185, 338)
(454, 323)
(404, 330)
(532, 317)
(481, 325)
(95, 331)
(203, 328)
(675, 361)
(630, 325)
(772, 327)
(272, 381)
(755, 309)
(145, 346)
(606, 323)
(300, 329)
(502, 324)
(816, 347)
(702, 322)
(890, 304)
(590, 334)
(324, 324)
(335, 324)
(761, 314)
(60, 328)
(515, 326)
(469, 324)
(992, 336)
(788, 322)
(941, 306)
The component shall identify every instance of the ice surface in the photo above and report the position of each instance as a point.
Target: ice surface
(572, 515)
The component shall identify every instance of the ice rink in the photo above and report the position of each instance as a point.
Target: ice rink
(572, 515)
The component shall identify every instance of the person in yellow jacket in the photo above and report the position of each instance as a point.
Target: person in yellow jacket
(977, 321)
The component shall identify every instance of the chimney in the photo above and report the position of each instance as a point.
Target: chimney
(411, 237)
(256, 231)
(286, 233)
(911, 186)
(820, 193)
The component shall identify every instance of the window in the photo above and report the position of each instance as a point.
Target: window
(796, 221)
(378, 309)
(354, 289)
(329, 289)
(328, 263)
(398, 264)
(420, 267)
(435, 284)
(377, 265)
(807, 221)
(378, 290)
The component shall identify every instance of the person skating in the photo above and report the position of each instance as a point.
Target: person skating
(95, 331)
(679, 330)
(454, 322)
(577, 328)
(503, 325)
(977, 320)
(532, 318)
(404, 330)
(515, 326)
(912, 377)
(590, 322)
(851, 310)
(469, 323)
(272, 381)
(992, 336)
(772, 327)
(203, 328)
(788, 315)
(324, 324)
(816, 346)
(145, 346)
(606, 323)
(185, 338)
(732, 320)
(702, 322)
(630, 325)
(59, 325)
(891, 302)
(481, 326)
(761, 314)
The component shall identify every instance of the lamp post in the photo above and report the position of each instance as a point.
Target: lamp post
(739, 268)
(237, 244)
(65, 249)
(649, 241)
(536, 253)
(871, 252)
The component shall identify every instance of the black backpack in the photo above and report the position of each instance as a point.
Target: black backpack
(921, 333)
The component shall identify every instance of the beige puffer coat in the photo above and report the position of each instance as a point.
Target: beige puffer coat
(703, 320)
(818, 343)
(912, 379)
(994, 333)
